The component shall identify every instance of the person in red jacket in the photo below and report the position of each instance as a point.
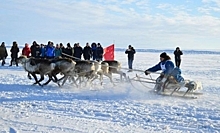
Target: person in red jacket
(26, 50)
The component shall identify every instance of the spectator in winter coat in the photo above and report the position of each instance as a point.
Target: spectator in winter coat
(58, 51)
(3, 53)
(87, 52)
(33, 49)
(99, 51)
(26, 50)
(130, 51)
(78, 52)
(14, 53)
(167, 67)
(50, 50)
(38, 51)
(62, 49)
(94, 53)
(177, 53)
(42, 51)
(68, 50)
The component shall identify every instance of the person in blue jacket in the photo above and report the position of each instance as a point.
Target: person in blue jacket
(49, 52)
(168, 69)
(94, 50)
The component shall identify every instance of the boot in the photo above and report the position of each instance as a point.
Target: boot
(11, 63)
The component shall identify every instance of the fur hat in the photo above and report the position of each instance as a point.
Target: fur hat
(163, 55)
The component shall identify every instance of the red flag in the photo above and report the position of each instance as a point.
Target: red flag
(109, 52)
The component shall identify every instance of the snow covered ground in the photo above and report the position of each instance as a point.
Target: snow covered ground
(106, 109)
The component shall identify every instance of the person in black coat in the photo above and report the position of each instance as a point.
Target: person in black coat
(3, 53)
(68, 51)
(14, 53)
(87, 52)
(177, 53)
(99, 51)
(77, 52)
(34, 49)
(130, 52)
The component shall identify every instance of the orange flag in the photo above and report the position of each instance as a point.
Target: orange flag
(109, 52)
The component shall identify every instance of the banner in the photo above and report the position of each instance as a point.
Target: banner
(109, 52)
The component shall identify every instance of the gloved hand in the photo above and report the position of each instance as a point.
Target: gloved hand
(162, 75)
(146, 72)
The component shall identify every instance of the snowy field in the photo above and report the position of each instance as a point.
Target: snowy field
(106, 109)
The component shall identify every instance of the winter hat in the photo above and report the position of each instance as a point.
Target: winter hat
(163, 55)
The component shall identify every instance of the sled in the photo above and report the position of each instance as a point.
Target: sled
(170, 87)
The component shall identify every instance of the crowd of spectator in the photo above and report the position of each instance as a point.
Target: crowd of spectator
(94, 51)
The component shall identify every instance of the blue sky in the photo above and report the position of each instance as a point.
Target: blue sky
(157, 24)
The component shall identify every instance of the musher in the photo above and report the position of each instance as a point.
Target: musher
(168, 72)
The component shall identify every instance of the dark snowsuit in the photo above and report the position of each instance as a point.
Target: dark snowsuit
(33, 49)
(68, 51)
(78, 52)
(130, 51)
(99, 51)
(3, 53)
(94, 52)
(14, 53)
(178, 54)
(87, 52)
